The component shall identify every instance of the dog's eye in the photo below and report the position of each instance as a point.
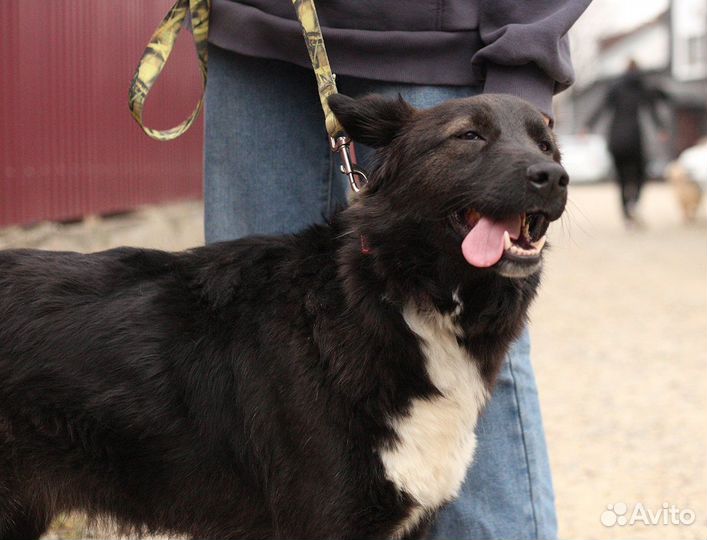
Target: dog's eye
(471, 136)
(544, 146)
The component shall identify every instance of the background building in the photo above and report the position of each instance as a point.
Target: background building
(670, 47)
(68, 145)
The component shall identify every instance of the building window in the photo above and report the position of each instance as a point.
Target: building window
(697, 50)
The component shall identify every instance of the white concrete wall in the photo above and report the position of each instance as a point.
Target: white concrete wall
(649, 47)
(689, 21)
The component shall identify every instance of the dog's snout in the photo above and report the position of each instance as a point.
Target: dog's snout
(547, 178)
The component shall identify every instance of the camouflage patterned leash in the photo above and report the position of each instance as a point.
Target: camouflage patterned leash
(156, 55)
(326, 83)
(162, 43)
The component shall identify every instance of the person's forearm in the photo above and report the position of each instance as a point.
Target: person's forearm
(526, 49)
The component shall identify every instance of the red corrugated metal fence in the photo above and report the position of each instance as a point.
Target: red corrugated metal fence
(68, 145)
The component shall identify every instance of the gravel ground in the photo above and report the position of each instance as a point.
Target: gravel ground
(619, 347)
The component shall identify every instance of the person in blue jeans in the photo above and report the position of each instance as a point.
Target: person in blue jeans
(269, 170)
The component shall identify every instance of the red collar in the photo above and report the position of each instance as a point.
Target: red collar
(365, 248)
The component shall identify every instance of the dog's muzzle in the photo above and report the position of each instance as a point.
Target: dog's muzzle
(513, 245)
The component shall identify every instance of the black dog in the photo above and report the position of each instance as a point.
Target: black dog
(320, 385)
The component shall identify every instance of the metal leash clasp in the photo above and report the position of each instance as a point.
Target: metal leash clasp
(356, 175)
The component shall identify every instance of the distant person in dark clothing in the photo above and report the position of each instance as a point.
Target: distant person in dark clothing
(624, 101)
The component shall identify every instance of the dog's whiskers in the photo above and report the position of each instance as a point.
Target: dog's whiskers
(349, 232)
(569, 212)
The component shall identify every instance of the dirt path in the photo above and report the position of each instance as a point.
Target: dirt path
(619, 345)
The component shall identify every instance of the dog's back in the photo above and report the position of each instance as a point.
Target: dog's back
(119, 372)
(181, 390)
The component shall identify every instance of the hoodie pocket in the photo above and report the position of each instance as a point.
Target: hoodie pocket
(383, 15)
(380, 15)
(459, 15)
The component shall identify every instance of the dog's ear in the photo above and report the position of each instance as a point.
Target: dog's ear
(372, 120)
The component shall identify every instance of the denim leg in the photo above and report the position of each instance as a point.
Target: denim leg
(508, 489)
(267, 162)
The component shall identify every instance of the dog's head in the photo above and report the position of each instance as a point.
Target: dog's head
(478, 178)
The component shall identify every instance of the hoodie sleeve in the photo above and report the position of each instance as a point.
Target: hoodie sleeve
(526, 48)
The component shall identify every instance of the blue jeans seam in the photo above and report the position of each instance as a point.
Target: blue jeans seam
(525, 450)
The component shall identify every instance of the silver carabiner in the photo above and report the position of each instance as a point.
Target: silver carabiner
(356, 175)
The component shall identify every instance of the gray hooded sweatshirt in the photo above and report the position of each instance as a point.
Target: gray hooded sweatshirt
(517, 47)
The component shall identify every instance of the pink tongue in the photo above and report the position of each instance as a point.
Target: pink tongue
(483, 246)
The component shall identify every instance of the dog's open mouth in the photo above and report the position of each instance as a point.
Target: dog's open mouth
(517, 239)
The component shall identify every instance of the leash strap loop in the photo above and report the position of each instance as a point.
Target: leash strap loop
(156, 54)
(162, 42)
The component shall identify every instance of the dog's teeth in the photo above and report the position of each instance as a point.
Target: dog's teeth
(540, 243)
(507, 240)
(533, 251)
(521, 252)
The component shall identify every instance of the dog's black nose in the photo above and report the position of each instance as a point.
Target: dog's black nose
(547, 179)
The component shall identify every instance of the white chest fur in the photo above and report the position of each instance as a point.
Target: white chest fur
(436, 437)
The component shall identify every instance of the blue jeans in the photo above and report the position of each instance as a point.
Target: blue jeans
(269, 170)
